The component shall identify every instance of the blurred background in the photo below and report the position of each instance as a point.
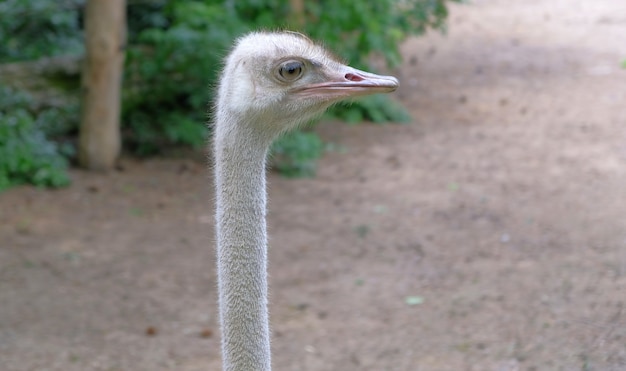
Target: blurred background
(170, 56)
(483, 228)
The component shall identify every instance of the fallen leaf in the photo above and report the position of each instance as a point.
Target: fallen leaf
(414, 300)
(151, 331)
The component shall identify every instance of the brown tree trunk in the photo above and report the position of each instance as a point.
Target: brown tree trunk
(297, 13)
(105, 37)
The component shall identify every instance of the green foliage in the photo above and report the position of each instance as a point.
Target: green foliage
(31, 29)
(376, 108)
(174, 54)
(358, 29)
(34, 28)
(169, 68)
(296, 154)
(176, 49)
(26, 155)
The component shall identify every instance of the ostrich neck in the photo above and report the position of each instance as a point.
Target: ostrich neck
(240, 155)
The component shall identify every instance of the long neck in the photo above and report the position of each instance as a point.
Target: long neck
(242, 246)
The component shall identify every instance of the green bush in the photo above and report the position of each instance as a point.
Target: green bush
(34, 28)
(176, 50)
(296, 154)
(174, 53)
(26, 155)
(376, 108)
(170, 64)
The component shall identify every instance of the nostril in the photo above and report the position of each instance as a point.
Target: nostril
(353, 77)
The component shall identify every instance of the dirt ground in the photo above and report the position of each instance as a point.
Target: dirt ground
(489, 234)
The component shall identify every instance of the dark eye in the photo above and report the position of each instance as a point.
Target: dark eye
(291, 70)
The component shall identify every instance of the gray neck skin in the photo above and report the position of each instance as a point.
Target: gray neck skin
(240, 153)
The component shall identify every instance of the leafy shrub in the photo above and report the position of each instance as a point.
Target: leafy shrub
(34, 28)
(358, 29)
(376, 108)
(26, 155)
(169, 68)
(176, 49)
(174, 54)
(296, 154)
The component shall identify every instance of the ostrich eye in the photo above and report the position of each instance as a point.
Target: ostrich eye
(290, 70)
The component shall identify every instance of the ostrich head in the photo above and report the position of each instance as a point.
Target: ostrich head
(275, 81)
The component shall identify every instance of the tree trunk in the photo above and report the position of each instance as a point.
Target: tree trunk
(105, 38)
(297, 13)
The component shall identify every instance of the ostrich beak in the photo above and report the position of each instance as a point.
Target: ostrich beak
(350, 82)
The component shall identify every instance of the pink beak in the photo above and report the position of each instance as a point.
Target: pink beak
(351, 83)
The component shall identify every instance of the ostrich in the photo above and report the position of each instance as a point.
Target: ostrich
(271, 82)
